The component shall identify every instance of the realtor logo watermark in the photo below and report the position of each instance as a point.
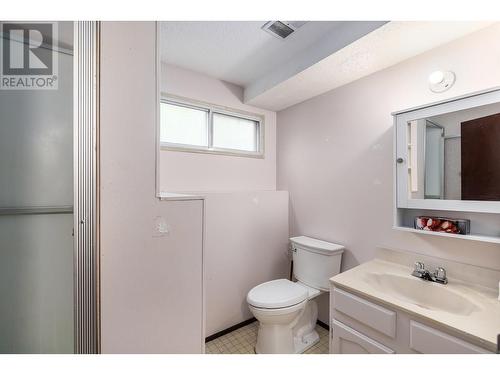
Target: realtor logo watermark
(29, 58)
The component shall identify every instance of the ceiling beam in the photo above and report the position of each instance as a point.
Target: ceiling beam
(337, 38)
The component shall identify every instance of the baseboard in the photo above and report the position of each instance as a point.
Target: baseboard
(230, 329)
(324, 325)
(245, 323)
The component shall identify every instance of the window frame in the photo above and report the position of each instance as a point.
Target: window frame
(212, 109)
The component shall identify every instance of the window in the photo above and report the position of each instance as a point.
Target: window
(183, 125)
(232, 132)
(189, 126)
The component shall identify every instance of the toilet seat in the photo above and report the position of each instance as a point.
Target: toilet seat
(277, 294)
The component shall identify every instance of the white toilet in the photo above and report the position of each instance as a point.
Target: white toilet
(286, 310)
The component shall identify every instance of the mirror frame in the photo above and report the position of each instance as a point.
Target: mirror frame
(401, 119)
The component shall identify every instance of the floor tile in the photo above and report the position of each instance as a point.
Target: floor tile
(242, 341)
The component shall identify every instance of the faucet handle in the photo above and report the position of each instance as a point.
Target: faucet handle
(419, 270)
(440, 275)
(419, 266)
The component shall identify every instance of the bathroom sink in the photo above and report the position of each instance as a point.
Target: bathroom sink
(425, 294)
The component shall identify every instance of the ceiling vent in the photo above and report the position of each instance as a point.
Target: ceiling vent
(282, 29)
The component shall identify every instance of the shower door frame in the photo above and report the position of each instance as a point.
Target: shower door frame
(86, 193)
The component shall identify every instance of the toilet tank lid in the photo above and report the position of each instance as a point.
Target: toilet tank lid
(308, 243)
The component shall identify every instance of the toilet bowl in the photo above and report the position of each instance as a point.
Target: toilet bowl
(286, 310)
(287, 316)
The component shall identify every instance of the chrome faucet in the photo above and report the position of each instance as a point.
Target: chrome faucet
(438, 276)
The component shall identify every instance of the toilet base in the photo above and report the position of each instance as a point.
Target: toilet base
(301, 344)
(307, 341)
(287, 331)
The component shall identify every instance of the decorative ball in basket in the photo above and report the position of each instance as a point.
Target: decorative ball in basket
(442, 224)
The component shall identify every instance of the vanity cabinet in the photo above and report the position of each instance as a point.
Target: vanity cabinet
(359, 325)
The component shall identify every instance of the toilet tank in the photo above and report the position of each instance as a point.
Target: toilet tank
(315, 261)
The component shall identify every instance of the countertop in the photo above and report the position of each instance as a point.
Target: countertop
(481, 326)
(167, 196)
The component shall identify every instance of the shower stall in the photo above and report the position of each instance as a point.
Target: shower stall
(48, 178)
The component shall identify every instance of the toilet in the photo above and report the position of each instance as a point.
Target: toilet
(286, 310)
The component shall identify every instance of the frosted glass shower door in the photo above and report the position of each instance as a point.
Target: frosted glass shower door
(36, 211)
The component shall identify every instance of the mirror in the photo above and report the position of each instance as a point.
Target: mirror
(455, 155)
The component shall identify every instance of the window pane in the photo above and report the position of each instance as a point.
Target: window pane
(184, 125)
(235, 133)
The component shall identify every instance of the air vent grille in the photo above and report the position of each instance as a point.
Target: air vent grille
(282, 29)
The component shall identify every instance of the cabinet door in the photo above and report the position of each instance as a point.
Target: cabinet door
(428, 340)
(346, 340)
(366, 312)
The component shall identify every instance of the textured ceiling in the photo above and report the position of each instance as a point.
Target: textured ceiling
(234, 51)
(380, 49)
(318, 57)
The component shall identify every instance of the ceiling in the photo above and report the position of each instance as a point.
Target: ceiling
(234, 51)
(240, 52)
(318, 57)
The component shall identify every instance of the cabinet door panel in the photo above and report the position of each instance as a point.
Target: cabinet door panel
(366, 312)
(428, 340)
(349, 341)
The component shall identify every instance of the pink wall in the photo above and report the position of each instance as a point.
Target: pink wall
(151, 286)
(246, 227)
(335, 153)
(185, 171)
(246, 244)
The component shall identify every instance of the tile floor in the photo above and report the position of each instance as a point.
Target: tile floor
(242, 341)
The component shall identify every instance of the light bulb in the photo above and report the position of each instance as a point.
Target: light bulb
(436, 77)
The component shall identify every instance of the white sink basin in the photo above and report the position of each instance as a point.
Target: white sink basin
(425, 294)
